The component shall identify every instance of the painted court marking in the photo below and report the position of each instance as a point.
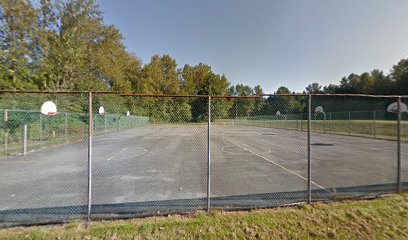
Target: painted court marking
(124, 149)
(276, 164)
(241, 154)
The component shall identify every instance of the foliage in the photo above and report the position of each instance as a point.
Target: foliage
(65, 45)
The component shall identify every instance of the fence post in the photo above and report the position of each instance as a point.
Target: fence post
(90, 123)
(349, 123)
(41, 128)
(209, 155)
(375, 127)
(399, 145)
(5, 131)
(309, 167)
(25, 139)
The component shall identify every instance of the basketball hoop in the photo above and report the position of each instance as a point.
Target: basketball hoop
(393, 108)
(101, 110)
(319, 109)
(49, 108)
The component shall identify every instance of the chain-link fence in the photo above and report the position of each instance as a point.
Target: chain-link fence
(157, 165)
(141, 155)
(258, 152)
(352, 154)
(404, 147)
(43, 167)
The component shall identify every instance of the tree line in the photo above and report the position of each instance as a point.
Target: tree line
(65, 45)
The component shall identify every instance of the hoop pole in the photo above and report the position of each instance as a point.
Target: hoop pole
(5, 119)
(209, 156)
(25, 139)
(309, 167)
(399, 146)
(41, 129)
(90, 121)
(104, 122)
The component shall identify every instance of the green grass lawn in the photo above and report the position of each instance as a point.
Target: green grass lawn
(383, 218)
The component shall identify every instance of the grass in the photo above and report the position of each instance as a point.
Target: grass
(383, 218)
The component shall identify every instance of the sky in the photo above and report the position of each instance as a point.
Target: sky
(272, 43)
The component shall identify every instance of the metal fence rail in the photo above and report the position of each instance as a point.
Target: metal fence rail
(152, 154)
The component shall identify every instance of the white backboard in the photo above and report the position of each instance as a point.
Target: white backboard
(319, 109)
(49, 108)
(393, 107)
(101, 110)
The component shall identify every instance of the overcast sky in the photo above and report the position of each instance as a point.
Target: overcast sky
(271, 43)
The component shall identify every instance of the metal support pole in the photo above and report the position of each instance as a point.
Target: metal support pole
(6, 142)
(90, 123)
(104, 122)
(119, 123)
(66, 127)
(209, 155)
(399, 145)
(41, 128)
(25, 139)
(236, 103)
(309, 167)
(5, 131)
(349, 122)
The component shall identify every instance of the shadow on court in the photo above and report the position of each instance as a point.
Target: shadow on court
(143, 209)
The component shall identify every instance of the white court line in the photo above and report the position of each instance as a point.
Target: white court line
(4, 208)
(286, 169)
(117, 154)
(242, 154)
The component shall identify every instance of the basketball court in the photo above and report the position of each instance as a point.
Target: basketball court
(160, 167)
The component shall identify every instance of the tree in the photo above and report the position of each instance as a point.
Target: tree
(283, 104)
(399, 76)
(160, 76)
(200, 80)
(17, 27)
(241, 106)
(193, 78)
(314, 88)
(331, 88)
(260, 103)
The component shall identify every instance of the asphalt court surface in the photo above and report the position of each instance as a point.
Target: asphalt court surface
(169, 162)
